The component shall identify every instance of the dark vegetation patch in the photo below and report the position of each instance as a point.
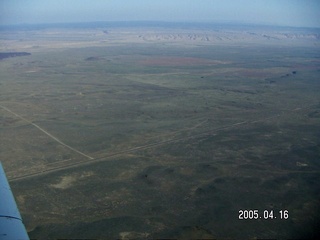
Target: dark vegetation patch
(251, 166)
(94, 58)
(109, 228)
(311, 181)
(4, 55)
(7, 121)
(155, 175)
(296, 158)
(206, 169)
(190, 232)
(314, 114)
(276, 183)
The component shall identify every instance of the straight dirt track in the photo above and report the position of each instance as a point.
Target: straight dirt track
(135, 149)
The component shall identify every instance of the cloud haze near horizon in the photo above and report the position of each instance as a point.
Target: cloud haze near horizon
(299, 13)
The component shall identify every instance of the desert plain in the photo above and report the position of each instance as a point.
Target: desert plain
(139, 131)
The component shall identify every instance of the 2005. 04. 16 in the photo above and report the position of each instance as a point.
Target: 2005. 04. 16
(267, 214)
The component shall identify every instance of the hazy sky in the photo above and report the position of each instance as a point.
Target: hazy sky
(272, 12)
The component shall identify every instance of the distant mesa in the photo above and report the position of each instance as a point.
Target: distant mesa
(4, 55)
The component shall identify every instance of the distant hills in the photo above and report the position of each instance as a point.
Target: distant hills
(229, 36)
(104, 33)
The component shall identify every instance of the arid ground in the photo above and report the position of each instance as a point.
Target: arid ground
(158, 132)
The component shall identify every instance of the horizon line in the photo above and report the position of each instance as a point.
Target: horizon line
(128, 22)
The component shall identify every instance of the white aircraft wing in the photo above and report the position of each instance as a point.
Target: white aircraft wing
(11, 226)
